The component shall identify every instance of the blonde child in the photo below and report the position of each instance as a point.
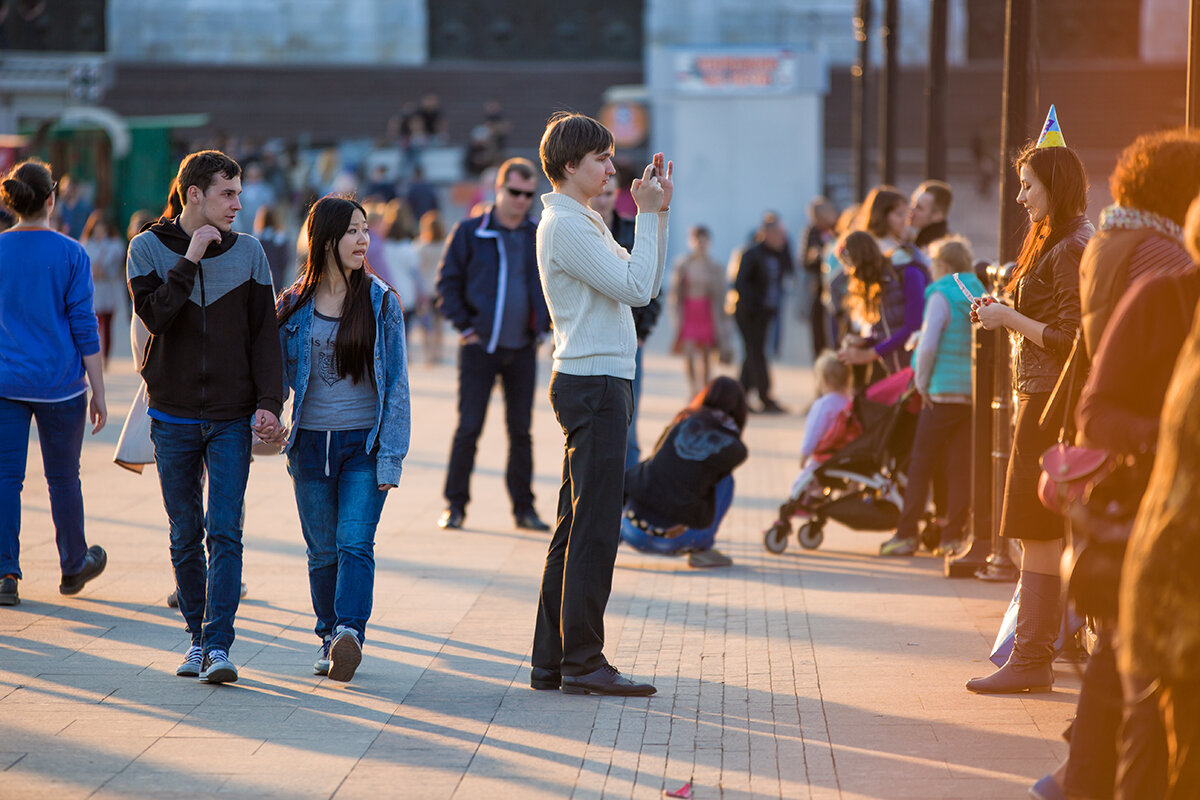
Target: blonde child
(833, 395)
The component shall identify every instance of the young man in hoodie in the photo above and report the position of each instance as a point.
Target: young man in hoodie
(590, 283)
(213, 372)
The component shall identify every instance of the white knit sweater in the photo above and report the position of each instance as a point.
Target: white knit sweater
(590, 283)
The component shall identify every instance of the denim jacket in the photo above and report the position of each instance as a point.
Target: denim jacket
(392, 412)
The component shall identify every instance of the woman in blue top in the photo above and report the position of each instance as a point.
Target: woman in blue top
(342, 331)
(48, 342)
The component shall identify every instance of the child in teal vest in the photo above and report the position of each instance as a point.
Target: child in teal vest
(942, 367)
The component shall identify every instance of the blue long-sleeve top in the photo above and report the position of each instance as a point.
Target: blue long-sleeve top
(47, 324)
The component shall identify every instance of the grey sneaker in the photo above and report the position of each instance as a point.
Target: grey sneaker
(321, 666)
(345, 653)
(218, 668)
(192, 663)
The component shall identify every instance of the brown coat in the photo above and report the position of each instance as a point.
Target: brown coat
(1160, 588)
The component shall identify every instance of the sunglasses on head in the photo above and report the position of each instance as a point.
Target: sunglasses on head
(518, 192)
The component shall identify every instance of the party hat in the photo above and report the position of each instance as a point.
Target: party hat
(1051, 133)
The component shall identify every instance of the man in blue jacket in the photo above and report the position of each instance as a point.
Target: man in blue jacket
(488, 287)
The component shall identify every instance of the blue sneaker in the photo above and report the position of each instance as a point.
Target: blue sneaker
(218, 668)
(321, 666)
(192, 663)
(345, 654)
(1047, 789)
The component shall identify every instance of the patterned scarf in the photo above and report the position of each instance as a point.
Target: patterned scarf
(1117, 217)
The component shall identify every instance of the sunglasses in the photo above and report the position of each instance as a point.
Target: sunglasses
(518, 193)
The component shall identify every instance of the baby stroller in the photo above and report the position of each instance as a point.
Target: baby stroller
(860, 481)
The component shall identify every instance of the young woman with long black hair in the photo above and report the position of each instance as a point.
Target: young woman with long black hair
(342, 331)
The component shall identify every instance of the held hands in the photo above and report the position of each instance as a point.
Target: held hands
(201, 239)
(268, 427)
(652, 192)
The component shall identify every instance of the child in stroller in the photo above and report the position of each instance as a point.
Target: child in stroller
(858, 477)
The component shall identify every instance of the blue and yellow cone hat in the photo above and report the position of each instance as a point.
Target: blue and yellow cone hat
(1051, 133)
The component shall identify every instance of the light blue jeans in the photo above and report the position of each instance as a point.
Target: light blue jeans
(338, 497)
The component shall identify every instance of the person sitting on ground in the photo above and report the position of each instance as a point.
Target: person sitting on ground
(676, 499)
(834, 394)
(942, 368)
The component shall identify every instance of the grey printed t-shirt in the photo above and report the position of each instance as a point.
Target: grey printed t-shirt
(332, 403)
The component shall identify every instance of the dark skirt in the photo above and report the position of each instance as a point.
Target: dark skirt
(1024, 516)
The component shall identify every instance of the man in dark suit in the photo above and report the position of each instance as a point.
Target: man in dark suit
(759, 290)
(488, 288)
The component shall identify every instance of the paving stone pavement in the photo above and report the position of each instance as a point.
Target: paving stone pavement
(813, 674)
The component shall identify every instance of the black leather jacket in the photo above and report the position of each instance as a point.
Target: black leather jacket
(1049, 293)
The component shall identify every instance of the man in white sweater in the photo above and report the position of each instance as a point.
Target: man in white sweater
(590, 283)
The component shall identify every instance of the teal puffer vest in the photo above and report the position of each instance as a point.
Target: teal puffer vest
(952, 365)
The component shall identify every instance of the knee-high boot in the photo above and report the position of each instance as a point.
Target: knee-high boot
(1039, 615)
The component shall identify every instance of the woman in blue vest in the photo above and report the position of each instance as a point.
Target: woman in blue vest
(942, 368)
(342, 331)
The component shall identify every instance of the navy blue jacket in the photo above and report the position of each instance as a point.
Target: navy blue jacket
(473, 278)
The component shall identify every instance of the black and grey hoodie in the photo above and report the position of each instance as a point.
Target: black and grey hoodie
(214, 342)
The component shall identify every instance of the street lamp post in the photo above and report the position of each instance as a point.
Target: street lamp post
(858, 122)
(888, 101)
(935, 93)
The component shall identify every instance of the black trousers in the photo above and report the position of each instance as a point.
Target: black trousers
(941, 447)
(594, 413)
(755, 374)
(477, 373)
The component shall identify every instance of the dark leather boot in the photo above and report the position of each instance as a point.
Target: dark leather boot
(1039, 616)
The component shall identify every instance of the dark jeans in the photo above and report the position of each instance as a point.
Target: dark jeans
(209, 589)
(338, 497)
(941, 446)
(755, 374)
(60, 435)
(477, 372)
(594, 412)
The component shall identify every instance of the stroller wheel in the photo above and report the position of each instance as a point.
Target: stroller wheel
(810, 535)
(775, 539)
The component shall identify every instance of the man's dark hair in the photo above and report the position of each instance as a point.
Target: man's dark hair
(199, 169)
(941, 193)
(523, 167)
(568, 139)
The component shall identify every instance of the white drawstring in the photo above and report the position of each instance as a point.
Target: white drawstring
(328, 438)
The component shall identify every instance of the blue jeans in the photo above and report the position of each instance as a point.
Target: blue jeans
(689, 540)
(633, 453)
(209, 589)
(60, 434)
(338, 497)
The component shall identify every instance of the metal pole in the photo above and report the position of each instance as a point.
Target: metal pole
(889, 87)
(966, 565)
(1016, 125)
(1193, 79)
(935, 92)
(858, 88)
(1013, 134)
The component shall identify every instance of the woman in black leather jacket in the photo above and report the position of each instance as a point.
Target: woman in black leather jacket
(1042, 321)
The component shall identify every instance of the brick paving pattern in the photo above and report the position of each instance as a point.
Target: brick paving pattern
(813, 674)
